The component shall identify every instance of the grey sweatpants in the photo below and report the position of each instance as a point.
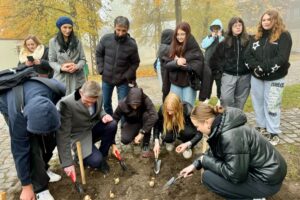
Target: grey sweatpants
(235, 90)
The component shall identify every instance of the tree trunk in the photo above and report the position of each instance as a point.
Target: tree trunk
(178, 11)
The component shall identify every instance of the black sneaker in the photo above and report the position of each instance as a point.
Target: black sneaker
(104, 167)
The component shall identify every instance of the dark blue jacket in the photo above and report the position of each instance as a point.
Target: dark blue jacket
(20, 137)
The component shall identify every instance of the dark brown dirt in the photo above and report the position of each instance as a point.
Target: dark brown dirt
(134, 183)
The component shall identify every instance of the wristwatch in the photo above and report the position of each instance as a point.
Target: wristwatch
(142, 131)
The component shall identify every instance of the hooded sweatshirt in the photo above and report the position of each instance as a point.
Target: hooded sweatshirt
(145, 114)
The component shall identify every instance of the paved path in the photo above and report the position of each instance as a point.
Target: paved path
(290, 127)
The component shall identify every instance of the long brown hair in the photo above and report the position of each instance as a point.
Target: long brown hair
(177, 120)
(35, 40)
(204, 112)
(178, 49)
(229, 34)
(277, 29)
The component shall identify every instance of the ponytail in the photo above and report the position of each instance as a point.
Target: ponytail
(203, 112)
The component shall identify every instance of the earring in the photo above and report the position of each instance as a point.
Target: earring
(209, 127)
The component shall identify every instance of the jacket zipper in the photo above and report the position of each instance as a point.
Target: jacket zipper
(116, 56)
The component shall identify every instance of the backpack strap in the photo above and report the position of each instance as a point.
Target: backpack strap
(50, 84)
(19, 94)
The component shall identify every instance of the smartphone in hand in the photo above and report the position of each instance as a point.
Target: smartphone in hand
(30, 58)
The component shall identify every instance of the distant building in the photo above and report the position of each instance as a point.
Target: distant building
(9, 52)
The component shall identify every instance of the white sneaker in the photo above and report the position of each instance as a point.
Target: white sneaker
(274, 139)
(169, 146)
(206, 101)
(259, 199)
(187, 154)
(53, 177)
(44, 195)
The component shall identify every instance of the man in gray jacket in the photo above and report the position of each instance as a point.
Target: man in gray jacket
(117, 61)
(83, 119)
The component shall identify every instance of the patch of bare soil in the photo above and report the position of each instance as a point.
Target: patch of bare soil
(134, 183)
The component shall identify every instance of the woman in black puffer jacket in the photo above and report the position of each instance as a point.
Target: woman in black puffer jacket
(267, 56)
(241, 163)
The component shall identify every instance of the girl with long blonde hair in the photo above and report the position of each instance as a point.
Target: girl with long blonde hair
(34, 54)
(174, 123)
(267, 57)
(240, 163)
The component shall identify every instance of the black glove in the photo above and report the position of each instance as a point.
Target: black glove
(258, 71)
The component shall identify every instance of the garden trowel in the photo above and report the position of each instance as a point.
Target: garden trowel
(157, 164)
(121, 161)
(171, 182)
(77, 185)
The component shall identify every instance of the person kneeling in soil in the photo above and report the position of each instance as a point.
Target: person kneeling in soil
(174, 122)
(241, 163)
(84, 119)
(139, 117)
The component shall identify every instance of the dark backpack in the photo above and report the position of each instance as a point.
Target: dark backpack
(9, 78)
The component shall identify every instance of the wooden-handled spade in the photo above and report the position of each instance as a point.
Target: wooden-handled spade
(79, 153)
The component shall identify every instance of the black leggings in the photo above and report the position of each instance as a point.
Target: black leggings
(186, 135)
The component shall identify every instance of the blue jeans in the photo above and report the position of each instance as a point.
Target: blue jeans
(186, 94)
(107, 90)
(266, 99)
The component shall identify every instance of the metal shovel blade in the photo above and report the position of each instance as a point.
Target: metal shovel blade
(123, 165)
(157, 166)
(79, 188)
(169, 183)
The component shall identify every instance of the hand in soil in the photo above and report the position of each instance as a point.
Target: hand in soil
(138, 138)
(188, 171)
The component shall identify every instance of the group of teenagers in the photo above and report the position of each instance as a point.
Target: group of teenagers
(241, 163)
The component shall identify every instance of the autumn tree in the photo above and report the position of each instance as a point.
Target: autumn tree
(22, 17)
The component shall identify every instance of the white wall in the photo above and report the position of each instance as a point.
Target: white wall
(8, 53)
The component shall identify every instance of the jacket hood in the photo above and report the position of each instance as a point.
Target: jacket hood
(231, 118)
(216, 22)
(134, 96)
(166, 36)
(42, 116)
(234, 117)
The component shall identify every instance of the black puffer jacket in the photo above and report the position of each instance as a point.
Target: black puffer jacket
(229, 59)
(187, 109)
(145, 114)
(180, 76)
(236, 151)
(272, 57)
(117, 60)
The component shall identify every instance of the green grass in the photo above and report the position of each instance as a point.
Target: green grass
(290, 99)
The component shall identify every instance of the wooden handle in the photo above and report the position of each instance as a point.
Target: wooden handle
(2, 195)
(79, 153)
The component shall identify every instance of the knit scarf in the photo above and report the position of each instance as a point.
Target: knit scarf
(37, 54)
